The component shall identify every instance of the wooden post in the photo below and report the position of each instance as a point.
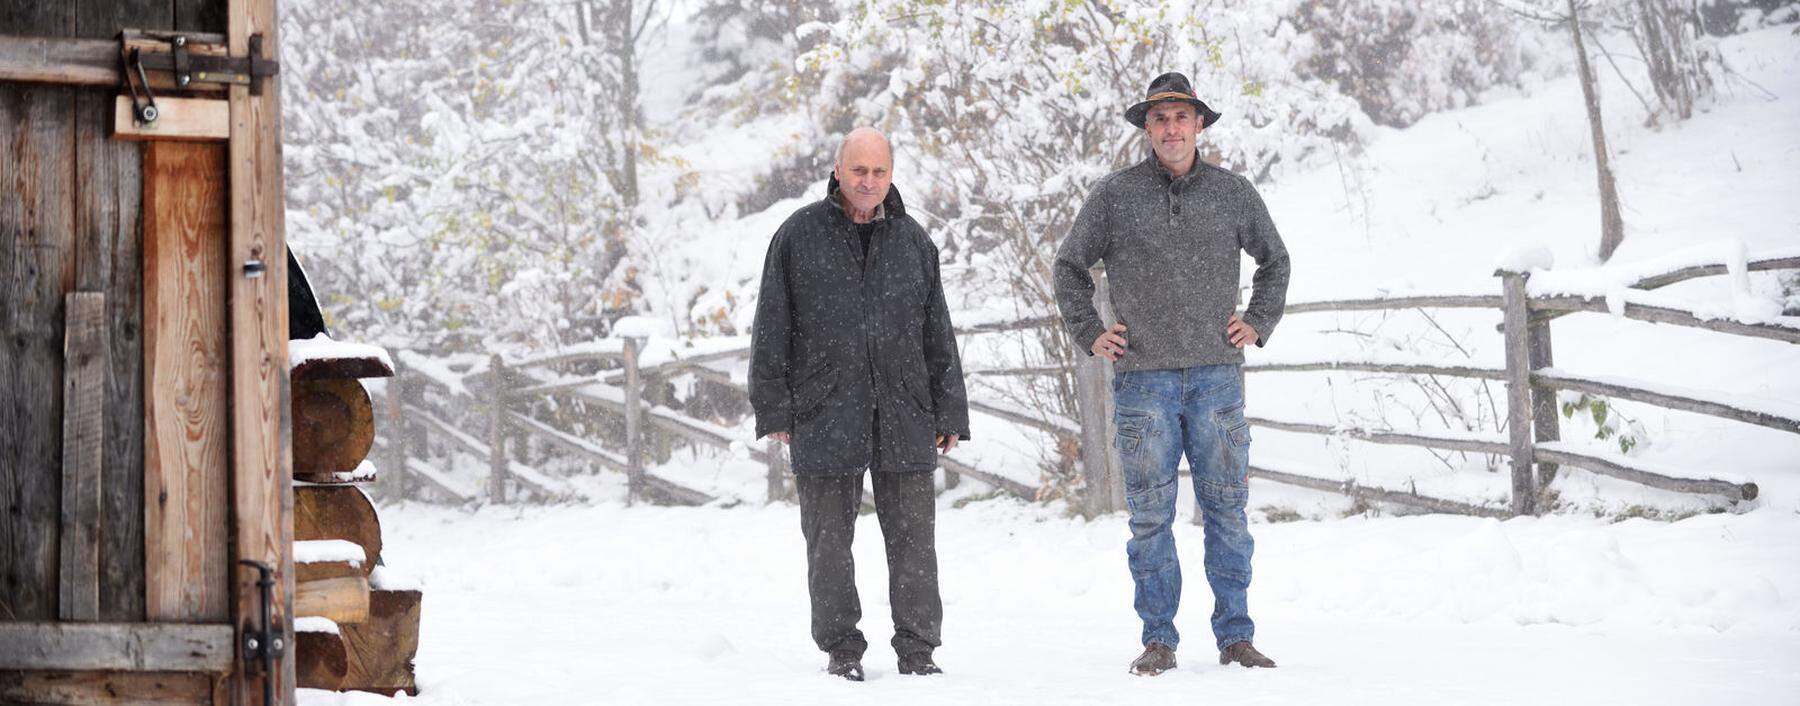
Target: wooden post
(1544, 422)
(634, 423)
(778, 470)
(1093, 388)
(497, 430)
(392, 479)
(262, 453)
(83, 439)
(1515, 323)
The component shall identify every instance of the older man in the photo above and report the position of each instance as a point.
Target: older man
(854, 365)
(1169, 230)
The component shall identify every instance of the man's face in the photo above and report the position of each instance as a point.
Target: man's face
(864, 172)
(1173, 128)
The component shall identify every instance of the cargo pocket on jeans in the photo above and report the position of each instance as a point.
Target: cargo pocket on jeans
(1131, 428)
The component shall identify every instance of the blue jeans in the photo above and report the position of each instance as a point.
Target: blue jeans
(1161, 414)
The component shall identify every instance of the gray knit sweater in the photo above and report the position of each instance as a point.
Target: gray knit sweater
(1170, 248)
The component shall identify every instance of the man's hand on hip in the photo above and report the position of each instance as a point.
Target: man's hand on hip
(1111, 344)
(1239, 333)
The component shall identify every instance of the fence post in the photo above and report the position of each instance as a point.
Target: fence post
(497, 430)
(1515, 321)
(1093, 392)
(1543, 400)
(778, 469)
(392, 480)
(634, 423)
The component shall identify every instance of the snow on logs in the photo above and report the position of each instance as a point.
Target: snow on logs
(351, 632)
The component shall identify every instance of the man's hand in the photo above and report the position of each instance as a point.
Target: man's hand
(780, 436)
(1110, 344)
(945, 442)
(1239, 333)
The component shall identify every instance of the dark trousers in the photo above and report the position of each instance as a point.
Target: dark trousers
(906, 505)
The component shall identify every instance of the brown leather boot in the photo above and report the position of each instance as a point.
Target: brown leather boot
(1156, 659)
(1244, 653)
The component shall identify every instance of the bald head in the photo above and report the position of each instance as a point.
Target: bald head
(866, 141)
(865, 170)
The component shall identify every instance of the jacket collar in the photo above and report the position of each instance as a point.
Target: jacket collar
(1155, 166)
(890, 207)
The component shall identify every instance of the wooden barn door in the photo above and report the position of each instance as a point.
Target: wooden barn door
(144, 432)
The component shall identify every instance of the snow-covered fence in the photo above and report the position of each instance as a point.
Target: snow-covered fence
(493, 392)
(1533, 440)
(617, 370)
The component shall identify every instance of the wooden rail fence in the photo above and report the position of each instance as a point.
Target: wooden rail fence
(505, 387)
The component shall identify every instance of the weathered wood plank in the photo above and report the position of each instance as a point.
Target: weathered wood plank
(496, 409)
(381, 649)
(1783, 332)
(179, 119)
(655, 487)
(1545, 424)
(1375, 494)
(108, 688)
(342, 600)
(108, 207)
(1452, 370)
(1625, 468)
(37, 253)
(1418, 438)
(34, 58)
(1557, 380)
(108, 229)
(634, 421)
(1455, 301)
(262, 472)
(129, 647)
(83, 438)
(1516, 318)
(186, 371)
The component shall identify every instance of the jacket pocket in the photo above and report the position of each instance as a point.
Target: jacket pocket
(916, 391)
(814, 389)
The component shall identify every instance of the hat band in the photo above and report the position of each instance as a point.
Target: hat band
(1170, 94)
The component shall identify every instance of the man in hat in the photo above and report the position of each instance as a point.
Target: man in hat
(853, 363)
(1169, 230)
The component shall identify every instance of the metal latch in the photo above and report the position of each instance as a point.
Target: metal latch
(193, 58)
(263, 644)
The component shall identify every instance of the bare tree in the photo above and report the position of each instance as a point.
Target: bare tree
(1612, 224)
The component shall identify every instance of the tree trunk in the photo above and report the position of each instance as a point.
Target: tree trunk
(1612, 225)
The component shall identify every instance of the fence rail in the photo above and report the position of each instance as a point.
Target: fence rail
(1531, 443)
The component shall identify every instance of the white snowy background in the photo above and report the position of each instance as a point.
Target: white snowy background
(456, 196)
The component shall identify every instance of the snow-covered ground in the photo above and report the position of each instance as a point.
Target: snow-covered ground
(597, 603)
(603, 605)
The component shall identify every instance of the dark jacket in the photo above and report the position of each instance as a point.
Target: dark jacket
(834, 342)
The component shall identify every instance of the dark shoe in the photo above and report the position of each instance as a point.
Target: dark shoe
(1156, 659)
(919, 663)
(1245, 654)
(845, 664)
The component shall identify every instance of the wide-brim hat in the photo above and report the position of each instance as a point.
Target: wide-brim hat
(1172, 87)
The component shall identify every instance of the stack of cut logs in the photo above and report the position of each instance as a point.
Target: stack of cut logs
(355, 629)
